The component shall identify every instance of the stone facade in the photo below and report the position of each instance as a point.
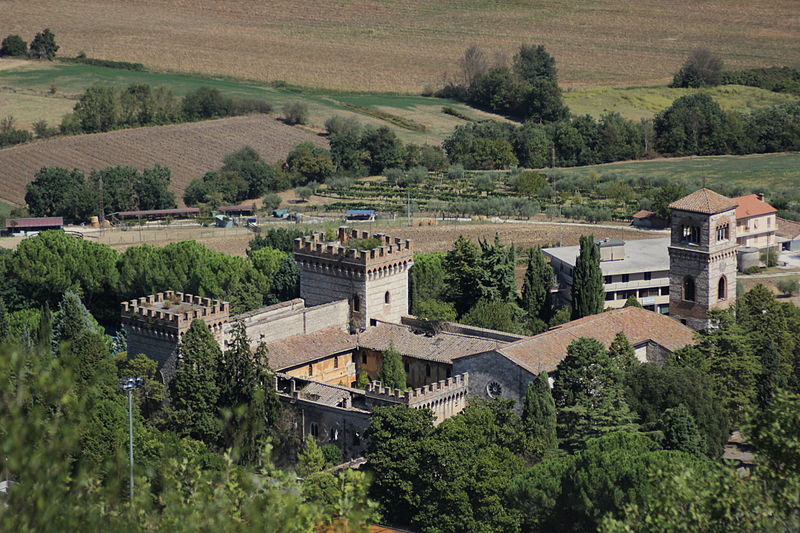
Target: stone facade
(287, 319)
(339, 415)
(492, 375)
(374, 282)
(703, 264)
(155, 324)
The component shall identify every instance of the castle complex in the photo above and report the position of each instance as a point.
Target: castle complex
(354, 306)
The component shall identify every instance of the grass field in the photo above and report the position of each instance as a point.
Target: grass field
(644, 102)
(189, 150)
(768, 171)
(31, 99)
(404, 45)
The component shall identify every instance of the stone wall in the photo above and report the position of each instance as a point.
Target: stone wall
(287, 319)
(445, 398)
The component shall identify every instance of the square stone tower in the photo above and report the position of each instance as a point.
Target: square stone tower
(374, 281)
(702, 256)
(155, 324)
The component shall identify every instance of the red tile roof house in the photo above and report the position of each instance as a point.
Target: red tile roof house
(756, 222)
(505, 372)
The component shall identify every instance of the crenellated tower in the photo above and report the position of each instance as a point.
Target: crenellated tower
(702, 256)
(374, 280)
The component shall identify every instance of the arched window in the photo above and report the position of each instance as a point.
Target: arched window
(356, 303)
(386, 297)
(336, 362)
(688, 289)
(722, 288)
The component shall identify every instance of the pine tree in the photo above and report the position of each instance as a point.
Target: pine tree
(194, 391)
(537, 300)
(622, 353)
(588, 295)
(539, 418)
(589, 394)
(392, 373)
(724, 353)
(311, 459)
(5, 327)
(246, 397)
(680, 431)
(72, 319)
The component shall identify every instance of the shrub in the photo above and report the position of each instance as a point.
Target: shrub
(296, 113)
(304, 193)
(271, 202)
(340, 125)
(13, 46)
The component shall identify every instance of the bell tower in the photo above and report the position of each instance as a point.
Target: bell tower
(702, 256)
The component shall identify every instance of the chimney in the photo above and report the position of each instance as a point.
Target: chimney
(760, 196)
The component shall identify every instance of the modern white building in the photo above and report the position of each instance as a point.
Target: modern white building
(637, 268)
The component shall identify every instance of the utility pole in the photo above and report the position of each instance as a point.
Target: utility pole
(128, 385)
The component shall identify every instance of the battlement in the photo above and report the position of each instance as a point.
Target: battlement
(389, 249)
(412, 398)
(174, 312)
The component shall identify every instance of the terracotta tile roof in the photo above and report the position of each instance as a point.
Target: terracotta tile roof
(704, 201)
(441, 347)
(546, 350)
(39, 222)
(644, 213)
(788, 229)
(322, 393)
(302, 349)
(751, 206)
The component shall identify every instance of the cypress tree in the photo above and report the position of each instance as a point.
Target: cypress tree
(589, 394)
(5, 328)
(588, 295)
(194, 391)
(537, 301)
(392, 373)
(498, 264)
(246, 397)
(44, 334)
(622, 353)
(463, 274)
(539, 418)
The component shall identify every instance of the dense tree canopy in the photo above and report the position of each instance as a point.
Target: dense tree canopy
(588, 294)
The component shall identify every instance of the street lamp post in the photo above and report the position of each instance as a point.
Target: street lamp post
(128, 385)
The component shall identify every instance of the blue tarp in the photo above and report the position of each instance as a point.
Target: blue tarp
(360, 212)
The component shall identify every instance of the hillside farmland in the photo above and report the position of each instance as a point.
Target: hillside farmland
(405, 45)
(190, 150)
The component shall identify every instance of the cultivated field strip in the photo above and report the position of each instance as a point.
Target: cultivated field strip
(404, 45)
(190, 150)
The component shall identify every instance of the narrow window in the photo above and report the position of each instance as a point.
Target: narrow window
(386, 297)
(336, 361)
(334, 434)
(364, 358)
(722, 288)
(406, 367)
(688, 289)
(722, 232)
(428, 370)
(356, 303)
(314, 429)
(310, 370)
(691, 234)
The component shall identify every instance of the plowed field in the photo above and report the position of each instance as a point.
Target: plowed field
(190, 150)
(402, 45)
